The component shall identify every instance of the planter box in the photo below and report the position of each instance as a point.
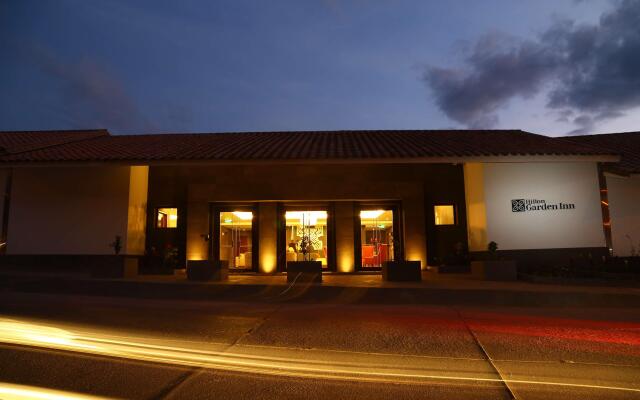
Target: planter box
(495, 270)
(153, 265)
(115, 267)
(304, 271)
(401, 271)
(206, 270)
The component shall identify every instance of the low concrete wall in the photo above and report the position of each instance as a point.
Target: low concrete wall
(624, 211)
(541, 259)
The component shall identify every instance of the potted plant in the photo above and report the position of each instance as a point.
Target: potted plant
(456, 262)
(169, 260)
(305, 270)
(115, 266)
(401, 270)
(116, 244)
(494, 268)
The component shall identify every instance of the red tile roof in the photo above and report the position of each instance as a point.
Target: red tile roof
(23, 141)
(627, 144)
(318, 145)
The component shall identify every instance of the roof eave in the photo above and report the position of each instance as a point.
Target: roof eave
(606, 158)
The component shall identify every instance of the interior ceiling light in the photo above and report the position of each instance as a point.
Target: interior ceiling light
(243, 215)
(306, 217)
(306, 214)
(371, 213)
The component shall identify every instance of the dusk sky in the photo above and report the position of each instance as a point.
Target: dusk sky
(552, 67)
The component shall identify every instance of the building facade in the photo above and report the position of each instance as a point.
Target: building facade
(351, 199)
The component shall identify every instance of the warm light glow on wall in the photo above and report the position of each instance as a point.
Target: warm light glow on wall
(267, 262)
(346, 264)
(476, 207)
(137, 212)
(415, 256)
(196, 256)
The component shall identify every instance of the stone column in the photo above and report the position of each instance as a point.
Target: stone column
(344, 236)
(268, 237)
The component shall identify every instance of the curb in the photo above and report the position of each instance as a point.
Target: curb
(311, 293)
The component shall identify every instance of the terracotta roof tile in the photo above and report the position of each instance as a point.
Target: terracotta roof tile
(320, 145)
(13, 142)
(627, 144)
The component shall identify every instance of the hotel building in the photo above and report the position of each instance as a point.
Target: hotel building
(361, 197)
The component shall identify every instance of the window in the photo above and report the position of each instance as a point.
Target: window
(376, 237)
(445, 215)
(167, 218)
(306, 236)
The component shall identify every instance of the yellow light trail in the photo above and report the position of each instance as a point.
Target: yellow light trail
(10, 391)
(152, 350)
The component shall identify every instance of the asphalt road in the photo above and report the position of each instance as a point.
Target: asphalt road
(153, 349)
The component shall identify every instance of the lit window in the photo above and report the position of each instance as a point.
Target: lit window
(306, 236)
(445, 215)
(167, 218)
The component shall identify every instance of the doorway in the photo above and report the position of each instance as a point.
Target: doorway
(377, 236)
(306, 233)
(235, 237)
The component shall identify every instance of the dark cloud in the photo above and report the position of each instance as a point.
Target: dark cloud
(584, 124)
(499, 70)
(89, 95)
(589, 70)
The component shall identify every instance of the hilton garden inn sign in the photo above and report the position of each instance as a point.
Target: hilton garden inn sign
(524, 205)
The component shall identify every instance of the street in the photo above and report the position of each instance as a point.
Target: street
(168, 349)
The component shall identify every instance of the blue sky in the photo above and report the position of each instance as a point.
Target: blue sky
(202, 66)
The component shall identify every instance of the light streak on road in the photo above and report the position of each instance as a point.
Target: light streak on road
(10, 391)
(277, 361)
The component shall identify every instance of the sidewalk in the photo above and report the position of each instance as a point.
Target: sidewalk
(336, 288)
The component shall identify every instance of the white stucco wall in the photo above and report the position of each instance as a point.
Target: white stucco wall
(68, 210)
(624, 211)
(567, 182)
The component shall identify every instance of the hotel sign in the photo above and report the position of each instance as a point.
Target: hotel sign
(524, 205)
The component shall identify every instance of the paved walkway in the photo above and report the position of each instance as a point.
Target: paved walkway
(376, 281)
(356, 288)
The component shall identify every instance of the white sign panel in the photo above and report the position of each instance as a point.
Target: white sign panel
(543, 205)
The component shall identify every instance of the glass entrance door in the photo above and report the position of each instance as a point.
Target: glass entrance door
(306, 236)
(376, 238)
(236, 239)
